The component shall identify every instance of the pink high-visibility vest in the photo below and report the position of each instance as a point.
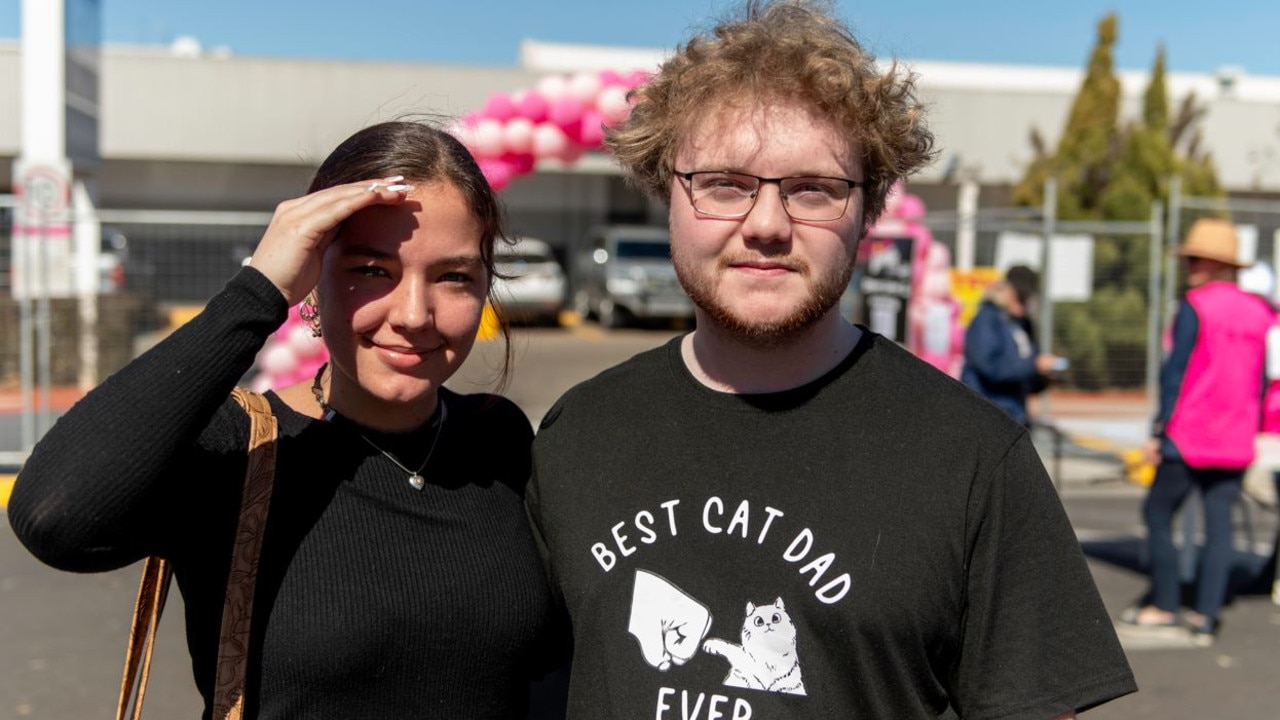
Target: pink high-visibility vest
(1219, 408)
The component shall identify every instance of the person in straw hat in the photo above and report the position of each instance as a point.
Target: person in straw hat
(1203, 435)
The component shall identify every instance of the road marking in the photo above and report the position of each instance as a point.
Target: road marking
(6, 489)
(1132, 638)
(588, 332)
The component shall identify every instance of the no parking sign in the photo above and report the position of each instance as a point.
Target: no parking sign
(43, 257)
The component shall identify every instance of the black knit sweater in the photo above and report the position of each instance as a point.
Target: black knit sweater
(374, 600)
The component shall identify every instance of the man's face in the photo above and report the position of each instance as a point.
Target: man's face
(1202, 270)
(765, 277)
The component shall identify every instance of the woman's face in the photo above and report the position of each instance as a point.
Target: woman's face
(401, 294)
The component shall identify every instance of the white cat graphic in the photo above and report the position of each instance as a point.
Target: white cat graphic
(766, 659)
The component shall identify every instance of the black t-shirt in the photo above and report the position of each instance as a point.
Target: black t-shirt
(879, 543)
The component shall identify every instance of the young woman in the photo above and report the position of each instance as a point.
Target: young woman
(398, 577)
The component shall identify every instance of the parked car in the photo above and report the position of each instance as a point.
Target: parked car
(530, 285)
(112, 258)
(624, 274)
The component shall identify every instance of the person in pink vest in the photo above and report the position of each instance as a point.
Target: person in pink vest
(1211, 388)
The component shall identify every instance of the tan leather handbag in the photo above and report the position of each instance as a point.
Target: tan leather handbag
(237, 609)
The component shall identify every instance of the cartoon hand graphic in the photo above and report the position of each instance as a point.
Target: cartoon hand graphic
(668, 623)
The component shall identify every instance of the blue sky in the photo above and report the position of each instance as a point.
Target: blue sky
(1199, 36)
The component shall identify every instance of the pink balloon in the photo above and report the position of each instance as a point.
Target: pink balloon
(308, 369)
(517, 136)
(565, 111)
(610, 77)
(549, 141)
(520, 163)
(488, 138)
(533, 106)
(497, 172)
(910, 207)
(499, 107)
(591, 131)
(636, 78)
(613, 105)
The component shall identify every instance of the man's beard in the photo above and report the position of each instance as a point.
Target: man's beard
(824, 294)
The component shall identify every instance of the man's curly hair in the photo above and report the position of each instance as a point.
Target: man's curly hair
(777, 52)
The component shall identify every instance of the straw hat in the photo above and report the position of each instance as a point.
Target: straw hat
(1212, 239)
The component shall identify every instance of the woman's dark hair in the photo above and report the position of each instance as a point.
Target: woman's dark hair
(423, 154)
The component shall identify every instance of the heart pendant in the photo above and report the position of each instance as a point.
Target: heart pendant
(417, 481)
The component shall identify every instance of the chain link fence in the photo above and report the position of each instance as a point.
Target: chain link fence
(1098, 283)
(155, 269)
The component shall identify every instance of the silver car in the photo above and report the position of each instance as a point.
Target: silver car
(624, 274)
(530, 284)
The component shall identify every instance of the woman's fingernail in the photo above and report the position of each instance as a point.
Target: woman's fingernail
(395, 179)
(400, 188)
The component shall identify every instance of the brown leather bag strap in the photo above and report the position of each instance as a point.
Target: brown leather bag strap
(153, 590)
(237, 610)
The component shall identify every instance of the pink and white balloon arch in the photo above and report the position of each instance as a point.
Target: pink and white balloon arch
(560, 118)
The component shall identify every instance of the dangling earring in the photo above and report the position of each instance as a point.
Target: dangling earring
(310, 314)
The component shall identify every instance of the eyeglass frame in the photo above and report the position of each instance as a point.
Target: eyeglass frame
(688, 178)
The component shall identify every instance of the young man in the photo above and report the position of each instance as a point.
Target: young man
(782, 515)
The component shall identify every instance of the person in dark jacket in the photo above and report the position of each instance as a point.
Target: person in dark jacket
(1001, 358)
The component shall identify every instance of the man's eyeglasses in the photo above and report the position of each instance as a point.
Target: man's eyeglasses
(731, 195)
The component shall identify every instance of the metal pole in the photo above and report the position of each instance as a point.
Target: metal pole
(1172, 230)
(26, 332)
(1046, 275)
(1153, 306)
(43, 331)
(966, 232)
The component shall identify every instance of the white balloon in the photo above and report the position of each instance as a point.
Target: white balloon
(552, 87)
(488, 138)
(613, 105)
(277, 359)
(304, 343)
(549, 141)
(585, 87)
(517, 136)
(466, 133)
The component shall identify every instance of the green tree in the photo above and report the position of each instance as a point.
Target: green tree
(1107, 170)
(1084, 157)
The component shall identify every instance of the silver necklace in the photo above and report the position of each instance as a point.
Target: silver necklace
(416, 481)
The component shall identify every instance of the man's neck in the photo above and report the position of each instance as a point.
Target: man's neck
(725, 362)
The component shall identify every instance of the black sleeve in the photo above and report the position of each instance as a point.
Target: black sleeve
(81, 499)
(1037, 641)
